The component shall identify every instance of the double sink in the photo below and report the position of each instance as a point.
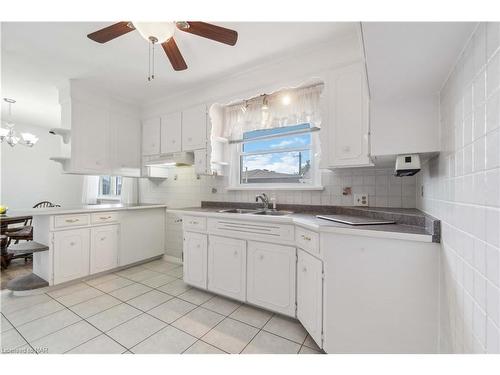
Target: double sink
(249, 211)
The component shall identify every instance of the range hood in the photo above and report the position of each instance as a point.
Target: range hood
(172, 160)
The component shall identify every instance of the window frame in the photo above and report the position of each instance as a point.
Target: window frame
(314, 182)
(102, 196)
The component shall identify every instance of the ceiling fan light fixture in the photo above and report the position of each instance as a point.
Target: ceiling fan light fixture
(29, 139)
(157, 32)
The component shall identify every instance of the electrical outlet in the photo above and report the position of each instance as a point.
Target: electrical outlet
(361, 199)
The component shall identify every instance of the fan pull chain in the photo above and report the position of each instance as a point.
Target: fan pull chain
(151, 61)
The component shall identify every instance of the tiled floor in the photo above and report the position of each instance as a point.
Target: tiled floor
(143, 309)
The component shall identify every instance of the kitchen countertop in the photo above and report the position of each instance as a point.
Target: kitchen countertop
(83, 209)
(310, 221)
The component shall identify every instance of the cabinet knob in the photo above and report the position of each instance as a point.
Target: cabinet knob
(197, 246)
(261, 257)
(304, 269)
(235, 252)
(173, 140)
(306, 237)
(71, 244)
(103, 238)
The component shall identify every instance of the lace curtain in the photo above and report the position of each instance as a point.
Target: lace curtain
(284, 108)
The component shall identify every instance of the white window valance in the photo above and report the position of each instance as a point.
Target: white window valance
(283, 108)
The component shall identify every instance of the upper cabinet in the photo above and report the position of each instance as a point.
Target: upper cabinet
(178, 131)
(171, 133)
(151, 136)
(104, 132)
(345, 130)
(194, 128)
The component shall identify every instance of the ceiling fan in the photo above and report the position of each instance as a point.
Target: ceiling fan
(163, 33)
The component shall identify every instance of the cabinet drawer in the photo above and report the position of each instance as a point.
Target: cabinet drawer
(251, 230)
(63, 221)
(307, 240)
(194, 223)
(104, 217)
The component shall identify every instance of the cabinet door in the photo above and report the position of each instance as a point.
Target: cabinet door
(90, 137)
(348, 131)
(310, 294)
(227, 267)
(171, 133)
(103, 248)
(194, 128)
(195, 259)
(151, 137)
(126, 131)
(271, 276)
(71, 255)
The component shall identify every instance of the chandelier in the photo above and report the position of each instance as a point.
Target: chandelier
(9, 135)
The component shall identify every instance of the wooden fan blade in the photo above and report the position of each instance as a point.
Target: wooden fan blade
(209, 31)
(111, 32)
(174, 55)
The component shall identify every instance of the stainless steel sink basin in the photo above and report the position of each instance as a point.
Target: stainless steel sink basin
(273, 213)
(238, 211)
(255, 212)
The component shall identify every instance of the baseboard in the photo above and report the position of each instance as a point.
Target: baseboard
(172, 259)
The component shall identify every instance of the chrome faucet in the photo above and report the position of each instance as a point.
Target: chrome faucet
(265, 200)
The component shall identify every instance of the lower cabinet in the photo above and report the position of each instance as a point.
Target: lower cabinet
(310, 294)
(103, 248)
(71, 254)
(271, 276)
(195, 259)
(227, 267)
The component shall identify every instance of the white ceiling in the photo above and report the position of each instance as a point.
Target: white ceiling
(411, 58)
(37, 57)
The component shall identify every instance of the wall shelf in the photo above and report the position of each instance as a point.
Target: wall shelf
(64, 133)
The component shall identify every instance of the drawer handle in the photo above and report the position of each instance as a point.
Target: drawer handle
(178, 221)
(103, 238)
(105, 217)
(306, 237)
(72, 220)
(193, 222)
(197, 246)
(71, 244)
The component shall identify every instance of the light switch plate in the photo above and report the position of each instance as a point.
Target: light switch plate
(361, 199)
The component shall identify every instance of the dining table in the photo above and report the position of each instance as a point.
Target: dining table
(5, 221)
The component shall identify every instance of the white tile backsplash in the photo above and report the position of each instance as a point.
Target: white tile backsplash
(461, 187)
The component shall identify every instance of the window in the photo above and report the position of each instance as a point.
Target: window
(110, 187)
(277, 156)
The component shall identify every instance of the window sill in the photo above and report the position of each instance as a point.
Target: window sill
(109, 198)
(270, 187)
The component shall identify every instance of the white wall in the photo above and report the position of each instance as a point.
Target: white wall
(28, 176)
(461, 187)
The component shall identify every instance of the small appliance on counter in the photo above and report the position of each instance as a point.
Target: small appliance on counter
(407, 165)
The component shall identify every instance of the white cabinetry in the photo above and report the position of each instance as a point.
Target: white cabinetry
(195, 259)
(345, 134)
(89, 137)
(151, 136)
(271, 276)
(71, 254)
(103, 248)
(171, 133)
(227, 267)
(380, 295)
(194, 128)
(310, 294)
(125, 132)
(104, 132)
